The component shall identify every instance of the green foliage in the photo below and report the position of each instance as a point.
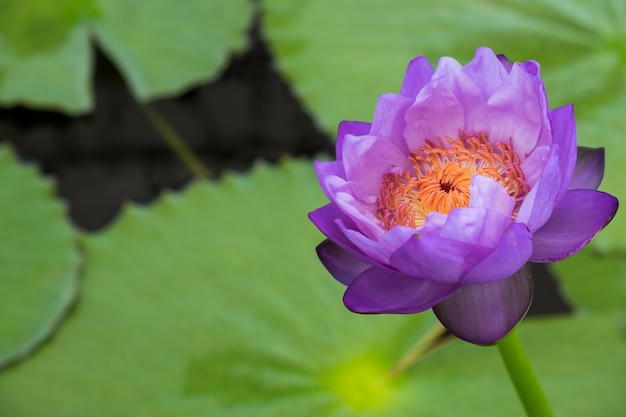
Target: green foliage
(160, 47)
(55, 78)
(38, 260)
(164, 47)
(340, 55)
(593, 282)
(580, 362)
(41, 25)
(212, 303)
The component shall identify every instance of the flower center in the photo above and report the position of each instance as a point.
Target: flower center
(441, 178)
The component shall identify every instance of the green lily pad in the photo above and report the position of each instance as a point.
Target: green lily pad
(593, 282)
(222, 279)
(159, 46)
(38, 260)
(56, 77)
(164, 47)
(213, 303)
(341, 55)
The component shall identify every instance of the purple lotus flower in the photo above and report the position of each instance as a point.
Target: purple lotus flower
(459, 181)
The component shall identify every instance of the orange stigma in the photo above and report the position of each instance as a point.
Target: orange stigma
(441, 178)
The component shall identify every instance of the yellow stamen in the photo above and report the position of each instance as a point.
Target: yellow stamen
(441, 177)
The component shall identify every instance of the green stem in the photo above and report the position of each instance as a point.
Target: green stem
(175, 142)
(418, 350)
(521, 373)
